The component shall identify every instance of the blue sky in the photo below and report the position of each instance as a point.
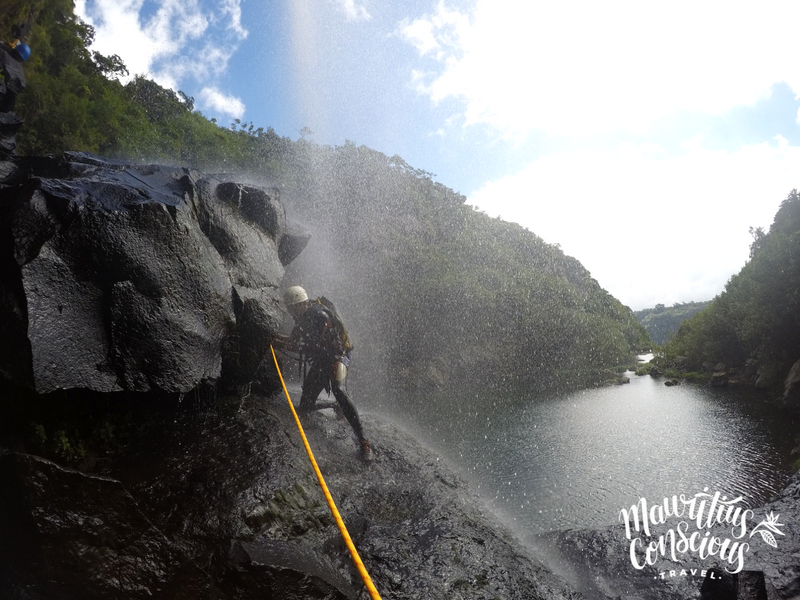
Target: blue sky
(644, 138)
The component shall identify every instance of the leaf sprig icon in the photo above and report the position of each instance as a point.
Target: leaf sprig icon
(767, 528)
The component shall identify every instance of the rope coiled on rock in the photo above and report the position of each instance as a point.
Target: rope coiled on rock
(334, 511)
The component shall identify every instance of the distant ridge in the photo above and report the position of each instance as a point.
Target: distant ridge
(661, 322)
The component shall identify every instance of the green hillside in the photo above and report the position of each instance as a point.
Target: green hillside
(755, 323)
(662, 322)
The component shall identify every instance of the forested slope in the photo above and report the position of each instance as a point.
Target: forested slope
(755, 323)
(434, 292)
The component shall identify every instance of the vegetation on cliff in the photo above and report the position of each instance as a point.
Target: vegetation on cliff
(754, 323)
(661, 322)
(443, 294)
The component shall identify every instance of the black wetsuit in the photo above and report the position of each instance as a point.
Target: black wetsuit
(316, 337)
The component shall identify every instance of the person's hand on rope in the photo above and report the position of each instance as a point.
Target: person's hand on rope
(280, 341)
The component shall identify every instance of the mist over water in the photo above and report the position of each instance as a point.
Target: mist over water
(575, 460)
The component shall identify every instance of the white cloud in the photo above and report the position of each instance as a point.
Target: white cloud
(649, 227)
(581, 66)
(118, 31)
(212, 98)
(234, 9)
(176, 23)
(443, 34)
(181, 42)
(420, 34)
(353, 11)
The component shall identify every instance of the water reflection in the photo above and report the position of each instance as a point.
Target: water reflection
(576, 460)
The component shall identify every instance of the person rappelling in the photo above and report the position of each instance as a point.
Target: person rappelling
(321, 340)
(19, 50)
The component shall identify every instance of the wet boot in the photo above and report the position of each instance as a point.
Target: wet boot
(366, 451)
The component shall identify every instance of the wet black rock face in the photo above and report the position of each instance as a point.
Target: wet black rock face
(224, 504)
(120, 277)
(12, 82)
(65, 531)
(791, 393)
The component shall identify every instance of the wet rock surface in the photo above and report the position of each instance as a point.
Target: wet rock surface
(226, 499)
(70, 535)
(12, 82)
(136, 277)
(791, 387)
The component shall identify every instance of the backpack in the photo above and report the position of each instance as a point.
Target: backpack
(347, 343)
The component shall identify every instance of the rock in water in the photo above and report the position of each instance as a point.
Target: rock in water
(120, 277)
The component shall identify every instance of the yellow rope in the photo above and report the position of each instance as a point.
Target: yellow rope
(334, 511)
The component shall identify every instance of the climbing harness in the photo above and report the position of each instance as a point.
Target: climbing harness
(334, 511)
(302, 366)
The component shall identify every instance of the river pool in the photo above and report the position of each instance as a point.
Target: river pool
(575, 460)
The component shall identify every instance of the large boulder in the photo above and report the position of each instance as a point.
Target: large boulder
(121, 277)
(12, 82)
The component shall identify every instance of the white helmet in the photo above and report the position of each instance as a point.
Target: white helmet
(294, 295)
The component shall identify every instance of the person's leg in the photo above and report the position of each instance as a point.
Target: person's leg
(349, 409)
(312, 386)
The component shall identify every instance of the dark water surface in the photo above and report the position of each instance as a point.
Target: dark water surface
(576, 460)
